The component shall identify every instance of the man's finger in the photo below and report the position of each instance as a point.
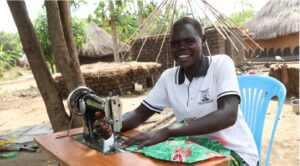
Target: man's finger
(100, 124)
(102, 129)
(146, 143)
(129, 142)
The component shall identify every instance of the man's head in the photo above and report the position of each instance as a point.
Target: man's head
(186, 41)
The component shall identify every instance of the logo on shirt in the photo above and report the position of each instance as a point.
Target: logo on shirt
(205, 97)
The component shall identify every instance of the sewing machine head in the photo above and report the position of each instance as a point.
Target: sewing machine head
(86, 103)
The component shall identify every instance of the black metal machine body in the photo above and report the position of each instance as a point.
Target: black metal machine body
(86, 103)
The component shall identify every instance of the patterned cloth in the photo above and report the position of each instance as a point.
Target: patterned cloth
(184, 150)
(237, 160)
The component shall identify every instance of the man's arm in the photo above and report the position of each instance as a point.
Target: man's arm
(224, 117)
(130, 120)
(136, 117)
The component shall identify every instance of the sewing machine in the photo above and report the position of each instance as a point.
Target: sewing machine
(84, 102)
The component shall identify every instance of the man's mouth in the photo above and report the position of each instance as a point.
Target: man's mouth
(183, 56)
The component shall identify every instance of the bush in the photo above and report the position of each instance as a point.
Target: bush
(12, 73)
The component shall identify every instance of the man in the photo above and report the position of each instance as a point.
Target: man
(203, 92)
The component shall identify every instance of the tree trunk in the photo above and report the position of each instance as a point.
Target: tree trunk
(59, 46)
(140, 12)
(55, 109)
(114, 31)
(66, 20)
(69, 67)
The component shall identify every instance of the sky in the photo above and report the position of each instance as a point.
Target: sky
(35, 6)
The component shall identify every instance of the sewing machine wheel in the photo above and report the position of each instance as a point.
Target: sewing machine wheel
(75, 101)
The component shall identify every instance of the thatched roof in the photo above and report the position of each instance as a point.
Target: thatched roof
(276, 18)
(99, 42)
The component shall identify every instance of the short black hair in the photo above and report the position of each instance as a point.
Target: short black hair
(188, 20)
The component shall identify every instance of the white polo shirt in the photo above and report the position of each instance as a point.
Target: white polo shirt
(195, 99)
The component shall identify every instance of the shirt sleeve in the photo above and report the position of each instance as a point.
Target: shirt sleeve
(157, 99)
(227, 82)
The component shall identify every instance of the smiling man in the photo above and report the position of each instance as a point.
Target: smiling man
(202, 91)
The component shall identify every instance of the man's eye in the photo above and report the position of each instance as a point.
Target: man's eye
(190, 42)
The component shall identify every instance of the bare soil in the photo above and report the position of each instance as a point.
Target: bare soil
(22, 105)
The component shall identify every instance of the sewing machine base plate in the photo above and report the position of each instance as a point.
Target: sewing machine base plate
(106, 147)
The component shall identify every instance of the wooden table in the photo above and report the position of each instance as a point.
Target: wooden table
(68, 151)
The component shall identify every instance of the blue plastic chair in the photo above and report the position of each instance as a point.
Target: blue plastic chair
(256, 93)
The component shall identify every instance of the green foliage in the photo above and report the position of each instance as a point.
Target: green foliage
(10, 48)
(75, 4)
(8, 56)
(125, 13)
(41, 27)
(10, 42)
(164, 20)
(243, 4)
(148, 8)
(245, 13)
(7, 59)
(242, 17)
(79, 32)
(10, 74)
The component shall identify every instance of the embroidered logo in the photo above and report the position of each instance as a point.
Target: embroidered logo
(205, 97)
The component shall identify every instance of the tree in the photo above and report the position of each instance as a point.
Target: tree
(242, 17)
(120, 19)
(31, 46)
(65, 55)
(140, 11)
(125, 14)
(10, 42)
(113, 21)
(63, 45)
(246, 13)
(10, 50)
(8, 59)
(41, 26)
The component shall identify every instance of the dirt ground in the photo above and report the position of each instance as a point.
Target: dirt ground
(22, 105)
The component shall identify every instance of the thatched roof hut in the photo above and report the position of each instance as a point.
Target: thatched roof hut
(276, 18)
(276, 29)
(99, 46)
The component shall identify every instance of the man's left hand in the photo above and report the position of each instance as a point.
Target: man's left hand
(147, 138)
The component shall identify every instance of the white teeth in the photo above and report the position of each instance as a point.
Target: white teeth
(184, 56)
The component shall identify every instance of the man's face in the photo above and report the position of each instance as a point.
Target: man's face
(186, 45)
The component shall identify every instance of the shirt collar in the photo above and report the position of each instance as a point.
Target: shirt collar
(204, 65)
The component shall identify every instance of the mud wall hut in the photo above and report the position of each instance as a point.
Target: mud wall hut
(120, 78)
(276, 29)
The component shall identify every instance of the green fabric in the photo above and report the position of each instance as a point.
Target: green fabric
(184, 150)
(237, 160)
(213, 145)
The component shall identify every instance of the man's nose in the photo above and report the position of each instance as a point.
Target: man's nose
(182, 45)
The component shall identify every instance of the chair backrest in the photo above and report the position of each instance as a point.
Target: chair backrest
(256, 93)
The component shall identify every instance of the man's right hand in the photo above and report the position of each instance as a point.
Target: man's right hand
(101, 126)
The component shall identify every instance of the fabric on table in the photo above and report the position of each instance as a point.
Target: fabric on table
(184, 150)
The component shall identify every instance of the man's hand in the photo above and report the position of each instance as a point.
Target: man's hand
(101, 126)
(147, 138)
